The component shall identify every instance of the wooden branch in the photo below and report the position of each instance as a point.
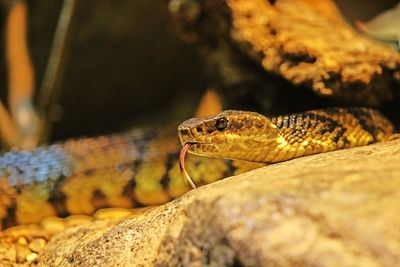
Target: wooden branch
(20, 69)
(20, 78)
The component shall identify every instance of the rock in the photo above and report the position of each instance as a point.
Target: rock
(333, 209)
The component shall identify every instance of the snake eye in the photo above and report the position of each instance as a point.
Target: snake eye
(221, 124)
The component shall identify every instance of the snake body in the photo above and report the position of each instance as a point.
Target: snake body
(140, 167)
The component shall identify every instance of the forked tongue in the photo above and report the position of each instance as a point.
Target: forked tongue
(182, 156)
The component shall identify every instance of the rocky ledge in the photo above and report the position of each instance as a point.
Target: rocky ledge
(333, 209)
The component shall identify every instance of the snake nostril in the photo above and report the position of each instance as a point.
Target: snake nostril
(199, 129)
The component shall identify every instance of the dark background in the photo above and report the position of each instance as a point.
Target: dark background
(125, 65)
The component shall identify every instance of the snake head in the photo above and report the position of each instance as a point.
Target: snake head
(231, 134)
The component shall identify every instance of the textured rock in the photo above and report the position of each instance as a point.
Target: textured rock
(333, 209)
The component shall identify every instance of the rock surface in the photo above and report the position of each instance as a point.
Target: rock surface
(334, 209)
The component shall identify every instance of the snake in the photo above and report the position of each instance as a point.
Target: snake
(250, 136)
(141, 167)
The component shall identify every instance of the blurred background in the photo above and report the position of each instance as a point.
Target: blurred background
(125, 65)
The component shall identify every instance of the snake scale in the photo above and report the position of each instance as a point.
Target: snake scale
(141, 167)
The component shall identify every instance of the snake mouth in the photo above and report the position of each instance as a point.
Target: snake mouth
(198, 148)
(195, 144)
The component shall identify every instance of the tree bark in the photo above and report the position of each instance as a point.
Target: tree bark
(306, 42)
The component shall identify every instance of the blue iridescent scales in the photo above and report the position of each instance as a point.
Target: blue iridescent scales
(40, 165)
